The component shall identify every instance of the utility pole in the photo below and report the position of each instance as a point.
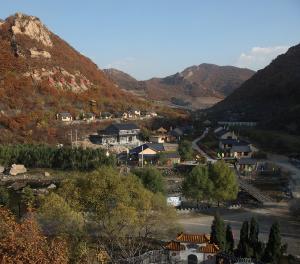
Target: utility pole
(142, 156)
(76, 138)
(71, 139)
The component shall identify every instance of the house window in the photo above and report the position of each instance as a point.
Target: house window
(130, 139)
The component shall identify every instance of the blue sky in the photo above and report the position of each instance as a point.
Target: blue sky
(148, 38)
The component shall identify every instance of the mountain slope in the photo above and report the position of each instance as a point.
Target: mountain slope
(197, 82)
(40, 75)
(271, 96)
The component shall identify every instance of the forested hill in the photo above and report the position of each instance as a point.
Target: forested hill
(41, 75)
(271, 96)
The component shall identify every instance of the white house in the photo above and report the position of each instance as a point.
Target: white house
(192, 249)
(64, 116)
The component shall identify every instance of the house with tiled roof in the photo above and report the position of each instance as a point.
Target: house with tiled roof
(64, 117)
(192, 249)
(119, 134)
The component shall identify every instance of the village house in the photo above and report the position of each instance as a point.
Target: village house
(161, 136)
(158, 138)
(106, 115)
(89, 117)
(227, 144)
(175, 135)
(119, 134)
(225, 134)
(136, 112)
(145, 114)
(147, 152)
(171, 158)
(64, 117)
(192, 249)
(246, 165)
(241, 151)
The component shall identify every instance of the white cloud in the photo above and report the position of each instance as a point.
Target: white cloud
(259, 57)
(122, 64)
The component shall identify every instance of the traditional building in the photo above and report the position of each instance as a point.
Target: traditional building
(119, 134)
(246, 165)
(64, 117)
(147, 152)
(192, 249)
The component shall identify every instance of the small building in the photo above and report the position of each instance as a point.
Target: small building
(106, 115)
(64, 117)
(147, 152)
(157, 139)
(246, 165)
(89, 117)
(227, 144)
(241, 151)
(174, 200)
(136, 112)
(145, 114)
(161, 131)
(225, 134)
(175, 135)
(192, 249)
(171, 158)
(119, 134)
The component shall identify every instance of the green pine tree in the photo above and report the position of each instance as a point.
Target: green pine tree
(218, 235)
(244, 249)
(229, 240)
(255, 245)
(274, 248)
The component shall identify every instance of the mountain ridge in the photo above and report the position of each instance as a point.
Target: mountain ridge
(197, 81)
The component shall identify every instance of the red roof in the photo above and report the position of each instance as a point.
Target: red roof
(209, 248)
(193, 238)
(175, 246)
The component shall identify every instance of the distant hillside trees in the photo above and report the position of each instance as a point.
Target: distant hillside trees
(44, 156)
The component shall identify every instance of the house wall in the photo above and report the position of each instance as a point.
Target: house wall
(242, 154)
(156, 139)
(125, 139)
(66, 119)
(108, 140)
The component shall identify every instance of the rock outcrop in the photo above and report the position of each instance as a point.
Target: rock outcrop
(34, 53)
(17, 169)
(32, 27)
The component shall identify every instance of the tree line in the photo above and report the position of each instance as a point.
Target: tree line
(45, 156)
(249, 245)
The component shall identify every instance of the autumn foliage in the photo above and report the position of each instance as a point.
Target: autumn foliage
(24, 243)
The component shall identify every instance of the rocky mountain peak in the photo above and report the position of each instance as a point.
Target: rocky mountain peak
(30, 26)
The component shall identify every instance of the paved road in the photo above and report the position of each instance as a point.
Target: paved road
(284, 163)
(198, 149)
(290, 228)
